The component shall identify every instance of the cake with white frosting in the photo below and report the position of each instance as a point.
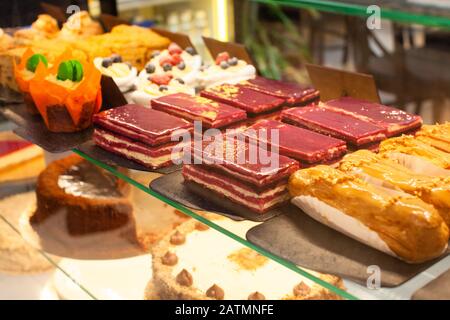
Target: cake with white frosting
(123, 74)
(187, 265)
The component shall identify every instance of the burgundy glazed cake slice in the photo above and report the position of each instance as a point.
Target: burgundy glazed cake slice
(140, 134)
(294, 94)
(212, 114)
(243, 97)
(233, 175)
(394, 120)
(336, 124)
(298, 143)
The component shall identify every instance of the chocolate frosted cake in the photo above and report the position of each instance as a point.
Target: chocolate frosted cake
(92, 199)
(187, 265)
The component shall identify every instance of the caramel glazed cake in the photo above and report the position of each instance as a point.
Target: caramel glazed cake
(188, 266)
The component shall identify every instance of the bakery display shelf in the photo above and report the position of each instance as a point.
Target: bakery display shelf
(425, 13)
(178, 206)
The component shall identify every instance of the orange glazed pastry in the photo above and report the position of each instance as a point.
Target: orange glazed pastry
(68, 94)
(24, 72)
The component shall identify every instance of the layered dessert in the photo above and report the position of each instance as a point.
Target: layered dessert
(180, 64)
(244, 98)
(187, 265)
(235, 171)
(392, 221)
(68, 94)
(212, 114)
(434, 190)
(294, 94)
(437, 136)
(123, 74)
(140, 134)
(25, 72)
(93, 200)
(226, 69)
(336, 124)
(415, 147)
(303, 145)
(158, 85)
(395, 121)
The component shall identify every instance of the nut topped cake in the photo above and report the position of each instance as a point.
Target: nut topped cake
(139, 133)
(242, 97)
(187, 265)
(294, 94)
(298, 143)
(212, 114)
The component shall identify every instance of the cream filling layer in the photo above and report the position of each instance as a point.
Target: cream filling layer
(338, 220)
(209, 266)
(239, 199)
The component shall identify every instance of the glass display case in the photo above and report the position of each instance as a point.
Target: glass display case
(96, 204)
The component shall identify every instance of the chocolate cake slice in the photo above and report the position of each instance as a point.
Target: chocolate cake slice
(298, 143)
(336, 124)
(239, 175)
(242, 97)
(140, 134)
(212, 114)
(294, 94)
(394, 120)
(92, 199)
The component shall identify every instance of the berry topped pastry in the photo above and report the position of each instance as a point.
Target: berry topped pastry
(123, 73)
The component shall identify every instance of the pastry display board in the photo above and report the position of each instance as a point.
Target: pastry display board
(334, 83)
(234, 49)
(323, 249)
(33, 129)
(195, 197)
(438, 289)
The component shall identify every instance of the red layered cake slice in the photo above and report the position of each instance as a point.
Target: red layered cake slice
(395, 121)
(140, 134)
(298, 143)
(243, 97)
(294, 94)
(336, 124)
(212, 114)
(237, 173)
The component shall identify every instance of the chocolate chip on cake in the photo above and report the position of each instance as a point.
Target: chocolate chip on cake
(301, 289)
(233, 61)
(256, 296)
(150, 68)
(107, 62)
(169, 259)
(215, 292)
(177, 238)
(155, 53)
(116, 58)
(191, 51)
(167, 67)
(184, 278)
(181, 65)
(201, 226)
(224, 65)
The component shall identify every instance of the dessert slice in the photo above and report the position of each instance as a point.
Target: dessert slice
(391, 221)
(378, 169)
(336, 124)
(395, 121)
(15, 151)
(244, 98)
(414, 147)
(139, 134)
(236, 172)
(212, 114)
(298, 143)
(294, 94)
(187, 265)
(437, 136)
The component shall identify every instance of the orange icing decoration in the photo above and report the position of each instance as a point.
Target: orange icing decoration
(46, 93)
(23, 82)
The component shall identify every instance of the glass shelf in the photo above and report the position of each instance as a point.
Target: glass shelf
(427, 13)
